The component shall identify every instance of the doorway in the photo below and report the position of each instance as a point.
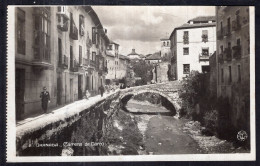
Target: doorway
(59, 90)
(19, 91)
(87, 83)
(71, 90)
(79, 87)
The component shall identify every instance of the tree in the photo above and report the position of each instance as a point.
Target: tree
(143, 70)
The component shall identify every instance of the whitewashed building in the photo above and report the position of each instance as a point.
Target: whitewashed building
(112, 61)
(191, 45)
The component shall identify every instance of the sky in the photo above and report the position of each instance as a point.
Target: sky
(142, 27)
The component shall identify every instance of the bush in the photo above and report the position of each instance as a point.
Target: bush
(211, 122)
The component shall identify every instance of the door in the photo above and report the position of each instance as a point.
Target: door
(71, 90)
(79, 87)
(59, 90)
(87, 83)
(19, 91)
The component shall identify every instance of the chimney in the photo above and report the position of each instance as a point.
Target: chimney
(133, 51)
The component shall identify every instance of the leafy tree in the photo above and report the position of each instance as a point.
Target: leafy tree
(143, 70)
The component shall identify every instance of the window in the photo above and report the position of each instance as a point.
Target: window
(228, 25)
(229, 45)
(71, 57)
(205, 69)
(230, 74)
(238, 73)
(186, 68)
(20, 31)
(186, 51)
(93, 56)
(59, 50)
(205, 51)
(221, 27)
(94, 35)
(237, 17)
(221, 49)
(167, 43)
(109, 47)
(42, 34)
(204, 35)
(186, 37)
(238, 42)
(163, 43)
(222, 75)
(81, 25)
(80, 55)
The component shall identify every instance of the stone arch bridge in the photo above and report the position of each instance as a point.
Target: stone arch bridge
(78, 116)
(168, 91)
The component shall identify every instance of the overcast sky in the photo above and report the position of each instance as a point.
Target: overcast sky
(142, 27)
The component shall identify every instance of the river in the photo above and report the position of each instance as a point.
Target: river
(161, 132)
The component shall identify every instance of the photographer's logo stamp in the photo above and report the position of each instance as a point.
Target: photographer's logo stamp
(242, 135)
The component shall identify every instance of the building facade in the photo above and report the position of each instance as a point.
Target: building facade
(166, 49)
(112, 61)
(191, 45)
(65, 53)
(124, 63)
(233, 61)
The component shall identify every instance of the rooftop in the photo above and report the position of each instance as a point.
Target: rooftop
(123, 57)
(133, 52)
(203, 19)
(112, 42)
(155, 56)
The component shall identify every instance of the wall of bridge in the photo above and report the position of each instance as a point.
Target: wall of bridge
(82, 121)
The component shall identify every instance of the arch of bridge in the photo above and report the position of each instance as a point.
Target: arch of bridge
(162, 93)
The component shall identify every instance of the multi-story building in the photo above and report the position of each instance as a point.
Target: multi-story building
(233, 61)
(112, 61)
(124, 63)
(60, 48)
(191, 45)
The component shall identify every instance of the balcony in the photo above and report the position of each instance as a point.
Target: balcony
(92, 64)
(227, 54)
(227, 31)
(203, 57)
(237, 52)
(21, 45)
(220, 34)
(42, 57)
(63, 62)
(236, 26)
(63, 26)
(85, 62)
(74, 66)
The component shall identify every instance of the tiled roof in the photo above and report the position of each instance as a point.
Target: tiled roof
(155, 56)
(112, 42)
(195, 25)
(203, 19)
(123, 57)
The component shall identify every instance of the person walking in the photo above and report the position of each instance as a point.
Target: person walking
(101, 88)
(45, 96)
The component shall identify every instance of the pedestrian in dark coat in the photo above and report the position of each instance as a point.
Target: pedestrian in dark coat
(102, 89)
(45, 96)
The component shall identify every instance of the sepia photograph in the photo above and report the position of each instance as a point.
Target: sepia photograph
(126, 83)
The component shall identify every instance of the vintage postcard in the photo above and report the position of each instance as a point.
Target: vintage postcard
(130, 83)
